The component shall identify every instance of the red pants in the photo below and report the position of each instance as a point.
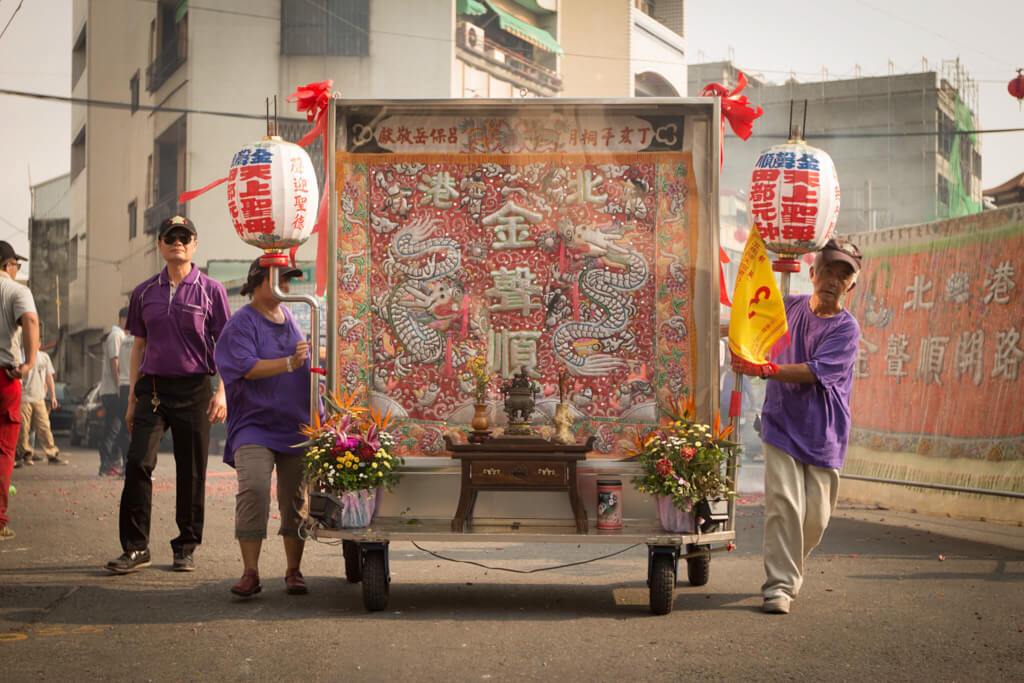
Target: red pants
(10, 423)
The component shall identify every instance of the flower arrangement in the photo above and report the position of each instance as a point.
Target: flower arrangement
(476, 373)
(351, 449)
(683, 459)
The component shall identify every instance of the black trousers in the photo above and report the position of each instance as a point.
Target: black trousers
(182, 409)
(123, 434)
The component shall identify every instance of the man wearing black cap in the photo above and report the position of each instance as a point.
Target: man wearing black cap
(17, 309)
(176, 318)
(805, 422)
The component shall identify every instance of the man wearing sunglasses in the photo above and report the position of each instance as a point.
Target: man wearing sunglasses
(176, 318)
(17, 310)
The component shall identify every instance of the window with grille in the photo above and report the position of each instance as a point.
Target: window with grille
(339, 28)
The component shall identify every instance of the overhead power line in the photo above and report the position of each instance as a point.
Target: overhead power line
(7, 25)
(112, 104)
(90, 102)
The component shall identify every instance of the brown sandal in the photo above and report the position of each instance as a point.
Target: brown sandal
(249, 585)
(295, 584)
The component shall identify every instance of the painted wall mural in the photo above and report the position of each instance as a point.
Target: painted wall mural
(550, 245)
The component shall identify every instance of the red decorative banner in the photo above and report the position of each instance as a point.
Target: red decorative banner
(941, 338)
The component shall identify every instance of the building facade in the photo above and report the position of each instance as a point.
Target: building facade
(191, 84)
(898, 141)
(48, 263)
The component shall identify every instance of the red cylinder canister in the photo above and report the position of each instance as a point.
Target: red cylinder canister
(609, 504)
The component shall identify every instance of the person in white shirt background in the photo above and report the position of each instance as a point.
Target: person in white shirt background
(35, 413)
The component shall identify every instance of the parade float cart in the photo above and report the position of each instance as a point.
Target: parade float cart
(555, 236)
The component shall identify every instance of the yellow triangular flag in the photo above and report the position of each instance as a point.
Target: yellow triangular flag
(758, 317)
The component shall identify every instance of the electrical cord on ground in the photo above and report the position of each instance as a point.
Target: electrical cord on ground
(524, 571)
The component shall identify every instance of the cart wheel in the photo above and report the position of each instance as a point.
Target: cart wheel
(663, 584)
(375, 580)
(353, 561)
(698, 569)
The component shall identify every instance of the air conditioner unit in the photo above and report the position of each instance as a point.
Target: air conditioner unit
(472, 37)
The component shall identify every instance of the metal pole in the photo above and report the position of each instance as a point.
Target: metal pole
(330, 152)
(314, 339)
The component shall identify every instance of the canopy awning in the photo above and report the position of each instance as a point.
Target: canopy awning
(473, 8)
(520, 29)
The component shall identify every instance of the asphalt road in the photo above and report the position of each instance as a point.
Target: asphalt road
(888, 596)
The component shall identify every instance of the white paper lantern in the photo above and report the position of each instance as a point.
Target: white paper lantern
(793, 198)
(272, 194)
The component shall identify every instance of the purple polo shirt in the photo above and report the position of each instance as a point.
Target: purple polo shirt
(811, 422)
(180, 325)
(266, 412)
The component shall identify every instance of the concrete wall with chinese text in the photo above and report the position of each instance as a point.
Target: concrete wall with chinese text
(939, 387)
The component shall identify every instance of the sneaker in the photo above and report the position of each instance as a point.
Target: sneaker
(36, 458)
(113, 472)
(26, 460)
(248, 585)
(779, 605)
(57, 460)
(6, 534)
(130, 561)
(294, 583)
(183, 562)
(17, 463)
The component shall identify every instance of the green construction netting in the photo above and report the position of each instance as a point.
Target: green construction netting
(960, 202)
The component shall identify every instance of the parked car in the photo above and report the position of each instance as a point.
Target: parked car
(87, 424)
(87, 427)
(62, 417)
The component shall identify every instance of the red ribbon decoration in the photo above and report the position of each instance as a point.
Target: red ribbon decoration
(192, 194)
(740, 114)
(314, 98)
(736, 108)
(723, 293)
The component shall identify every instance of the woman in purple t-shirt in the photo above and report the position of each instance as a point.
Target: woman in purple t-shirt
(805, 422)
(262, 358)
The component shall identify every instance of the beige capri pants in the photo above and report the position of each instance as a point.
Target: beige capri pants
(254, 465)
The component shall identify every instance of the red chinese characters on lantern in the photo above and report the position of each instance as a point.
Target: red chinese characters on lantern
(761, 202)
(794, 198)
(272, 195)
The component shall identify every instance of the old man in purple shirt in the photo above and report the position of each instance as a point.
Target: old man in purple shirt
(176, 317)
(805, 422)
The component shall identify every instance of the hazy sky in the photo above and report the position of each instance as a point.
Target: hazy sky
(770, 37)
